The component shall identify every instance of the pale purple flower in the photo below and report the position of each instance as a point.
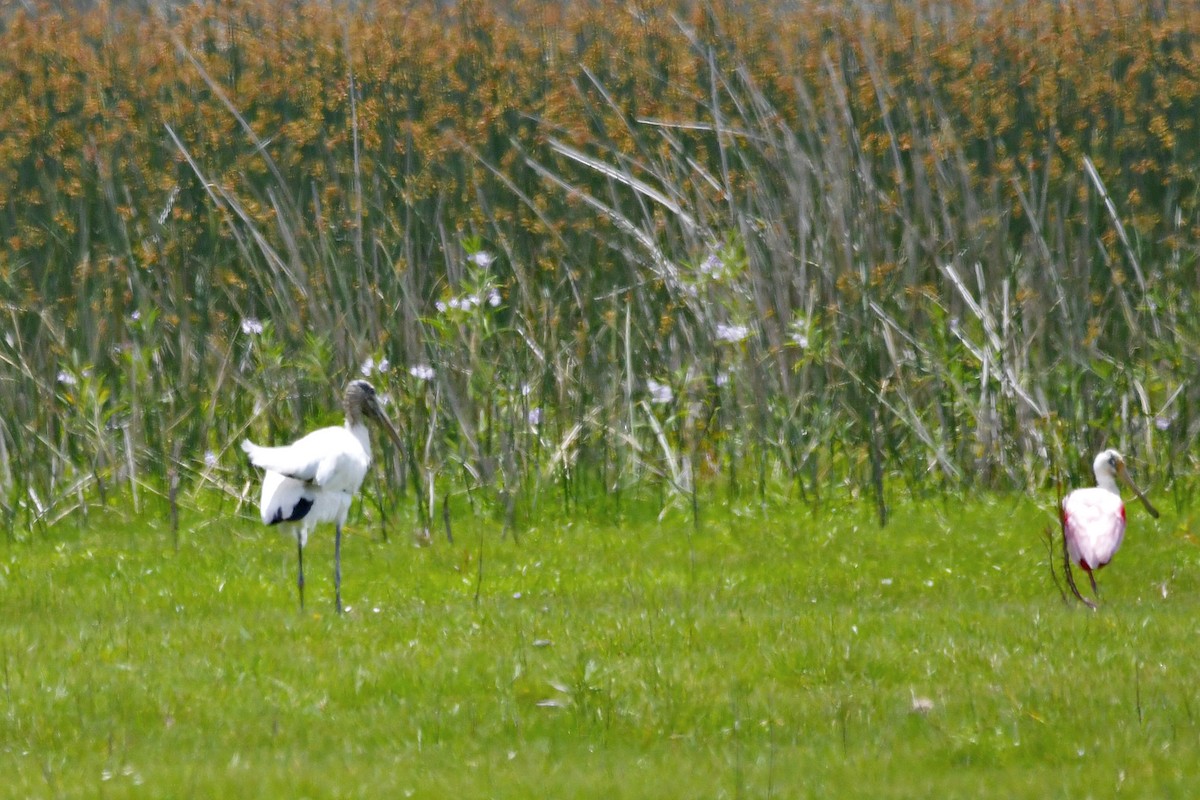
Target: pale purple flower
(482, 259)
(711, 265)
(422, 372)
(799, 332)
(493, 298)
(66, 378)
(441, 306)
(251, 326)
(722, 378)
(535, 416)
(371, 367)
(136, 315)
(210, 459)
(659, 392)
(1163, 423)
(732, 333)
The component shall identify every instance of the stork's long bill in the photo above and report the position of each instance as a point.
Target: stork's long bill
(362, 401)
(375, 412)
(1124, 473)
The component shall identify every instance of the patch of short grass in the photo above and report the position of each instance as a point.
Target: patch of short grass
(763, 654)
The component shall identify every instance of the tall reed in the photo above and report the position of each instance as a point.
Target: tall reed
(597, 254)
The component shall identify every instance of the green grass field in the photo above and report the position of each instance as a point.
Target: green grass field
(774, 654)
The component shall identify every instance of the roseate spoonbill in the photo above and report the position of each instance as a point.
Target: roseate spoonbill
(314, 479)
(1093, 519)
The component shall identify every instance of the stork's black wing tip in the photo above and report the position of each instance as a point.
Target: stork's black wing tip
(299, 512)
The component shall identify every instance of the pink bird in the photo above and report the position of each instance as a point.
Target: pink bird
(1094, 519)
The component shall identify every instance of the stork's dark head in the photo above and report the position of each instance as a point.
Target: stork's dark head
(362, 401)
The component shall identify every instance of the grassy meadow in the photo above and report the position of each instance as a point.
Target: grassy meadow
(765, 653)
(867, 249)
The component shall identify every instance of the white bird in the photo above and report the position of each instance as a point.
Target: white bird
(1093, 519)
(314, 479)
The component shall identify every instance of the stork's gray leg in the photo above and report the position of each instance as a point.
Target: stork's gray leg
(300, 569)
(337, 567)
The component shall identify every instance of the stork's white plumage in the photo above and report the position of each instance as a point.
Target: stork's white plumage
(1093, 519)
(314, 479)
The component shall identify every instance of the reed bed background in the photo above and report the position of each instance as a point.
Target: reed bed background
(597, 252)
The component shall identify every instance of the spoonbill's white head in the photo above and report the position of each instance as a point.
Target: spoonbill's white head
(1110, 465)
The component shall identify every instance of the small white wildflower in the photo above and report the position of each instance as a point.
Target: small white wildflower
(493, 298)
(66, 378)
(711, 265)
(732, 333)
(422, 372)
(470, 301)
(1163, 423)
(799, 332)
(210, 458)
(455, 304)
(526, 389)
(482, 259)
(659, 392)
(920, 705)
(372, 367)
(251, 326)
(440, 305)
(535, 416)
(722, 378)
(136, 315)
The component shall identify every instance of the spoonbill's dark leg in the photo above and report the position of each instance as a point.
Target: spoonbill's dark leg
(1067, 571)
(300, 569)
(1092, 578)
(337, 567)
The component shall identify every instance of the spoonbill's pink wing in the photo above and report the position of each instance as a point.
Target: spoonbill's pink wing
(1094, 521)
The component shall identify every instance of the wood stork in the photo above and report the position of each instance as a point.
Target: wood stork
(314, 479)
(1093, 519)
